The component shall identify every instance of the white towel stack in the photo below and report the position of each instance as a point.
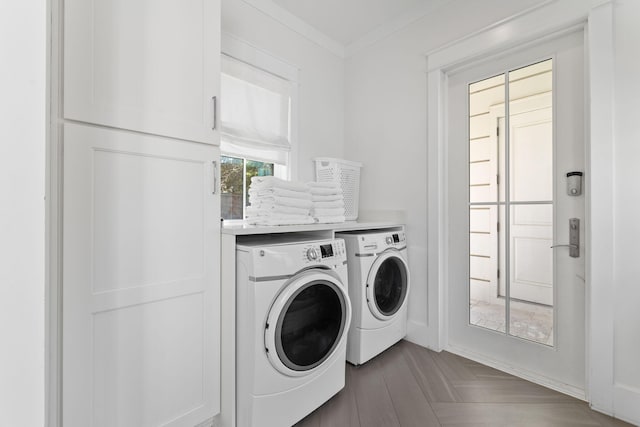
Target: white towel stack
(278, 202)
(328, 202)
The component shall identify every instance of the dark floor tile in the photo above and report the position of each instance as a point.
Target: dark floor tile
(508, 391)
(605, 420)
(342, 409)
(431, 379)
(454, 367)
(411, 405)
(512, 415)
(375, 407)
(410, 386)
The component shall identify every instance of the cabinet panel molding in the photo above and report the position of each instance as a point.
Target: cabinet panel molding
(141, 280)
(151, 66)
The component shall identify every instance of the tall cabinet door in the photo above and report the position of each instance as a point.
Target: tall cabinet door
(151, 66)
(141, 337)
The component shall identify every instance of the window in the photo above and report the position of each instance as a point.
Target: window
(236, 174)
(255, 130)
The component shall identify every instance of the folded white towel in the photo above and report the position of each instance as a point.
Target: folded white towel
(324, 184)
(266, 215)
(278, 209)
(264, 182)
(281, 192)
(322, 191)
(329, 204)
(283, 201)
(327, 198)
(328, 212)
(330, 219)
(278, 222)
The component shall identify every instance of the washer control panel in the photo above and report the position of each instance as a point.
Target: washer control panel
(397, 238)
(321, 252)
(312, 254)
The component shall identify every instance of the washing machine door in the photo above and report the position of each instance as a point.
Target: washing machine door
(387, 284)
(307, 322)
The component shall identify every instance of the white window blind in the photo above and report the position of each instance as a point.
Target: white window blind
(255, 112)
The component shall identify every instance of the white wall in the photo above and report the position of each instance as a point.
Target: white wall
(321, 80)
(22, 211)
(627, 202)
(386, 129)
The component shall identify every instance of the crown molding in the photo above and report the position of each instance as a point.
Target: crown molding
(289, 20)
(385, 30)
(296, 24)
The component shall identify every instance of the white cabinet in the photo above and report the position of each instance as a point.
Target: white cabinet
(141, 280)
(151, 66)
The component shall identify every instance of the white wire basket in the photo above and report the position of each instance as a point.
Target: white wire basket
(345, 172)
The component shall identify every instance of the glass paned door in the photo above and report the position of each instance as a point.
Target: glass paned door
(515, 130)
(511, 202)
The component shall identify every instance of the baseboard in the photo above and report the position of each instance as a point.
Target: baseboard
(626, 403)
(419, 333)
(521, 373)
(211, 422)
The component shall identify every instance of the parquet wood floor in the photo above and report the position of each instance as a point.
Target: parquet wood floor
(410, 386)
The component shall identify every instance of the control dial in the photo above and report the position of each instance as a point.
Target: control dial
(312, 254)
(389, 240)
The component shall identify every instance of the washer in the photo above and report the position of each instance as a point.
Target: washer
(293, 314)
(379, 289)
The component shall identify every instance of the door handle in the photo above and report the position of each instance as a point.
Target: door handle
(215, 112)
(574, 238)
(215, 177)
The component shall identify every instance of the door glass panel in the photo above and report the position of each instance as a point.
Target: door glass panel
(310, 326)
(485, 98)
(531, 272)
(531, 133)
(511, 219)
(486, 307)
(390, 286)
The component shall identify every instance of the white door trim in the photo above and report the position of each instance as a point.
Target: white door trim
(535, 24)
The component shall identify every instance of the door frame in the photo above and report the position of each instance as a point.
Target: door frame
(545, 21)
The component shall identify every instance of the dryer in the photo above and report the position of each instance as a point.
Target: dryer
(379, 289)
(293, 314)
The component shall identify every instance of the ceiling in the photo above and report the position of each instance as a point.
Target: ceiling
(347, 21)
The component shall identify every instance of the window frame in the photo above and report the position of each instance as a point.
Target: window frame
(278, 171)
(240, 50)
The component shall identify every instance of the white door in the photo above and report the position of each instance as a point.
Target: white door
(141, 322)
(146, 65)
(516, 128)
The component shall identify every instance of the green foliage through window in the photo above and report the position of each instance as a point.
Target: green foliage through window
(236, 174)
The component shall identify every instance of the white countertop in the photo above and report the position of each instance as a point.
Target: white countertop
(241, 228)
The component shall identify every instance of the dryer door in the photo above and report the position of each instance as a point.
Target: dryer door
(387, 284)
(307, 322)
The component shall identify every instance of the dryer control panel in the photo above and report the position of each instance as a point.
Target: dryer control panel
(381, 241)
